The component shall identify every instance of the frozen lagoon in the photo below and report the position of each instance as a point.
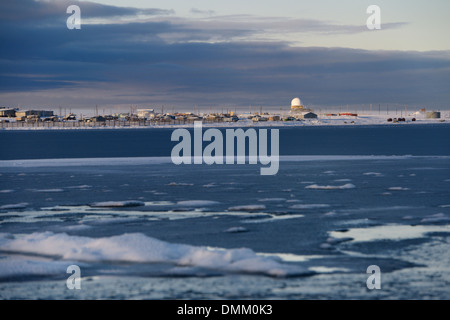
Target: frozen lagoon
(211, 232)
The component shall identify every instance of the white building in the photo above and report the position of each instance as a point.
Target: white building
(146, 113)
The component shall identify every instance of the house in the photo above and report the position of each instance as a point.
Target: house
(38, 113)
(7, 112)
(307, 115)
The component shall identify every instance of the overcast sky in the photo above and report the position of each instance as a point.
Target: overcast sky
(209, 53)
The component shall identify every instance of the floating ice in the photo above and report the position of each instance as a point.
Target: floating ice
(210, 185)
(197, 203)
(310, 206)
(272, 199)
(317, 187)
(182, 184)
(22, 205)
(398, 189)
(438, 217)
(253, 207)
(56, 190)
(113, 204)
(15, 266)
(389, 232)
(6, 191)
(236, 230)
(139, 248)
(84, 186)
(377, 174)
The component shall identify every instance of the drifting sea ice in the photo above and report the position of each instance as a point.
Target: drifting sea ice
(114, 204)
(197, 203)
(318, 187)
(139, 248)
(22, 205)
(253, 207)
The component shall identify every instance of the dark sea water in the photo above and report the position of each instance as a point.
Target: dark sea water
(145, 228)
(308, 140)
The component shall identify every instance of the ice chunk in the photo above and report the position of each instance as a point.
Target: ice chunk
(398, 189)
(253, 207)
(318, 187)
(139, 248)
(174, 184)
(114, 204)
(56, 190)
(438, 217)
(22, 205)
(197, 203)
(310, 206)
(272, 199)
(376, 174)
(236, 229)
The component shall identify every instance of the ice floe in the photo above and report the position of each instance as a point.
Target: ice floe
(55, 190)
(253, 207)
(22, 205)
(392, 232)
(272, 199)
(236, 230)
(376, 174)
(435, 218)
(139, 248)
(180, 184)
(319, 187)
(398, 189)
(115, 204)
(310, 206)
(197, 203)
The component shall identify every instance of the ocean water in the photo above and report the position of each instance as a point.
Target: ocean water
(141, 227)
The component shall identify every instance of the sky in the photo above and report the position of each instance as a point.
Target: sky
(214, 54)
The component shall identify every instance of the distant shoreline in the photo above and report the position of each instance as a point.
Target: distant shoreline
(321, 122)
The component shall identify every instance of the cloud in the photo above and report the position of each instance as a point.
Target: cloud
(203, 62)
(48, 11)
(202, 12)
